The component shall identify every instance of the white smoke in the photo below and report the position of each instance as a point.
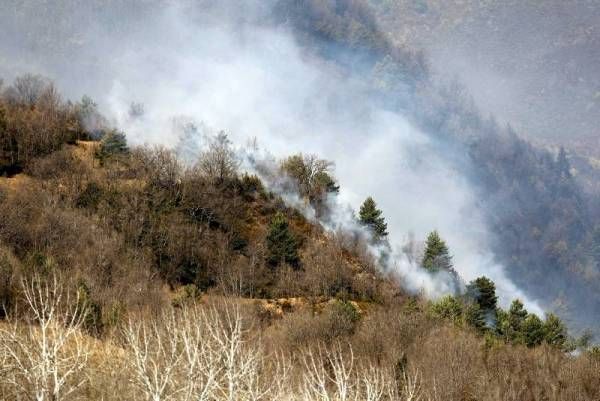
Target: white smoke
(256, 82)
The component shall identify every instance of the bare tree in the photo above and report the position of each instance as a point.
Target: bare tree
(374, 382)
(27, 89)
(200, 355)
(155, 357)
(46, 354)
(411, 388)
(219, 162)
(241, 359)
(201, 359)
(328, 375)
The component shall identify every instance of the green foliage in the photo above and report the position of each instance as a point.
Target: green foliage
(251, 185)
(116, 314)
(342, 318)
(281, 244)
(112, 144)
(437, 256)
(483, 291)
(371, 216)
(510, 324)
(312, 176)
(347, 310)
(594, 352)
(533, 330)
(89, 117)
(517, 326)
(448, 308)
(475, 317)
(186, 294)
(555, 332)
(517, 315)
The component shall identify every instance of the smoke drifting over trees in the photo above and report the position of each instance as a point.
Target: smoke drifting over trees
(327, 80)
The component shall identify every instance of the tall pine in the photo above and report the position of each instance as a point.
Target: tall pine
(281, 245)
(437, 256)
(371, 216)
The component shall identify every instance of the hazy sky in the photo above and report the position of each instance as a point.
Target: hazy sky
(534, 64)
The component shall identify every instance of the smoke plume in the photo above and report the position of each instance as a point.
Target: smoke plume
(222, 69)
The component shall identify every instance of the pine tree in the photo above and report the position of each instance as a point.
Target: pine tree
(475, 317)
(517, 315)
(437, 256)
(371, 217)
(281, 244)
(533, 330)
(509, 324)
(555, 332)
(449, 308)
(483, 291)
(112, 144)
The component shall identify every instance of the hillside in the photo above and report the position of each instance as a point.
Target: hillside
(116, 257)
(298, 200)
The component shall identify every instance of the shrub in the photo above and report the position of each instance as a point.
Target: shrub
(250, 185)
(448, 308)
(112, 144)
(90, 196)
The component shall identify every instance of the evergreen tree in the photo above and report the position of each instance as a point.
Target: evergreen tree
(371, 216)
(475, 317)
(437, 256)
(515, 318)
(533, 330)
(113, 143)
(483, 291)
(509, 324)
(517, 315)
(555, 332)
(281, 244)
(502, 325)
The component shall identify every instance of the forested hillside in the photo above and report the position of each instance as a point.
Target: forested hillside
(189, 220)
(122, 265)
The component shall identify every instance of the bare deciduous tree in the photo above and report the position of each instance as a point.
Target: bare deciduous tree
(199, 354)
(27, 89)
(155, 356)
(219, 162)
(328, 375)
(45, 355)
